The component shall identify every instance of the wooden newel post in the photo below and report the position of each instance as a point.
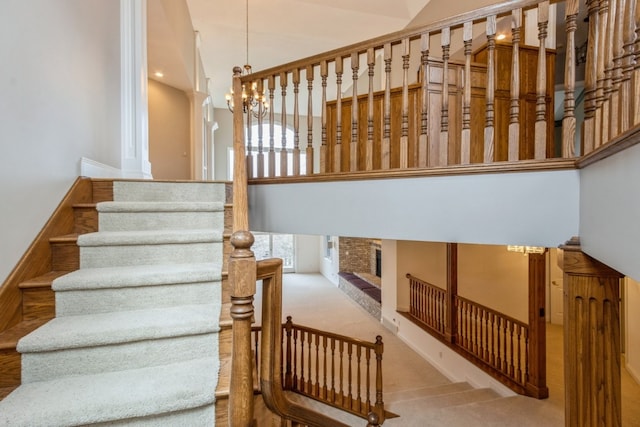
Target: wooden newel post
(451, 325)
(242, 277)
(288, 374)
(537, 378)
(591, 339)
(379, 407)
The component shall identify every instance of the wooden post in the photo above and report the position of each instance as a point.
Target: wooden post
(379, 405)
(309, 151)
(451, 325)
(514, 109)
(489, 130)
(283, 120)
(591, 339)
(537, 380)
(569, 119)
(242, 277)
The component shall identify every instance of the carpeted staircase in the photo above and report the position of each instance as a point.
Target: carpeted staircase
(135, 337)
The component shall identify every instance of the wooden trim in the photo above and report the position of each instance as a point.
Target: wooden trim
(36, 260)
(451, 314)
(616, 145)
(537, 382)
(498, 167)
(396, 37)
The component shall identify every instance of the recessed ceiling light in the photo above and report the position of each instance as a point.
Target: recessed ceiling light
(501, 37)
(159, 74)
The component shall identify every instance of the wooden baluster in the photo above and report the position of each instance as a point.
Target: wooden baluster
(249, 157)
(616, 47)
(260, 156)
(505, 359)
(324, 160)
(635, 92)
(489, 131)
(296, 122)
(295, 359)
(337, 154)
(569, 118)
(591, 72)
(379, 406)
(359, 378)
(465, 142)
(385, 156)
(283, 119)
(481, 333)
(317, 388)
(324, 367)
(371, 62)
(475, 329)
(443, 148)
(404, 134)
(368, 374)
(498, 361)
(423, 142)
(511, 363)
(627, 65)
(309, 151)
(519, 371)
(288, 376)
(333, 369)
(341, 373)
(485, 356)
(607, 13)
(309, 359)
(301, 379)
(493, 340)
(272, 150)
(526, 355)
(350, 375)
(514, 108)
(540, 137)
(353, 153)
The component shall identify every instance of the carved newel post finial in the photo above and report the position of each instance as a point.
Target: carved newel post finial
(237, 71)
(373, 420)
(242, 241)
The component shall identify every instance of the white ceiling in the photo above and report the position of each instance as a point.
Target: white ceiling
(284, 30)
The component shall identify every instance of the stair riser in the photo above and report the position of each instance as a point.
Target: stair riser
(86, 220)
(38, 304)
(72, 303)
(170, 192)
(92, 360)
(134, 221)
(65, 256)
(9, 368)
(228, 219)
(110, 256)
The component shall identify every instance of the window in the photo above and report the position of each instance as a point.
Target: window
(268, 245)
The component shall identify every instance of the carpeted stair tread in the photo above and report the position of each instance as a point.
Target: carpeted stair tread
(150, 237)
(443, 400)
(153, 191)
(132, 206)
(426, 391)
(120, 327)
(112, 396)
(137, 275)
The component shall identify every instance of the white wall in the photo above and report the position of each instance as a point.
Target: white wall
(632, 327)
(59, 101)
(533, 208)
(329, 266)
(609, 232)
(308, 253)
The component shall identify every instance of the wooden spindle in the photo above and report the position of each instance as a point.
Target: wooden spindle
(324, 367)
(371, 63)
(519, 371)
(295, 359)
(628, 59)
(260, 158)
(636, 70)
(309, 151)
(511, 361)
(296, 122)
(604, 86)
(359, 377)
(341, 374)
(337, 155)
(249, 158)
(272, 150)
(423, 141)
(489, 130)
(317, 388)
(404, 134)
(465, 142)
(617, 46)
(569, 118)
(309, 385)
(443, 147)
(283, 120)
(514, 108)
(349, 375)
(379, 405)
(324, 161)
(591, 72)
(385, 158)
(288, 376)
(540, 135)
(353, 152)
(332, 374)
(301, 378)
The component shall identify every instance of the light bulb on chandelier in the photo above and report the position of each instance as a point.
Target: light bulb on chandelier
(253, 101)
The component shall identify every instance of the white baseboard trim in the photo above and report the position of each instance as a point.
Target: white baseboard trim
(632, 372)
(93, 169)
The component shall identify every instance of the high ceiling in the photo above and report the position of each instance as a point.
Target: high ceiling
(285, 30)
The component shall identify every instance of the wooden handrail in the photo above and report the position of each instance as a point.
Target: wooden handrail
(270, 272)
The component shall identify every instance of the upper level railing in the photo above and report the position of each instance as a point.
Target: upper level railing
(452, 93)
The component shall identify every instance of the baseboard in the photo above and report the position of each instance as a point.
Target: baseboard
(93, 169)
(632, 372)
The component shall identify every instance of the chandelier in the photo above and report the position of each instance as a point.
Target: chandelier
(252, 100)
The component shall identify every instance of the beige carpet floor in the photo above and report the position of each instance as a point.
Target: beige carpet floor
(313, 301)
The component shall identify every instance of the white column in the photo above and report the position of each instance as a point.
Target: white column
(134, 112)
(197, 134)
